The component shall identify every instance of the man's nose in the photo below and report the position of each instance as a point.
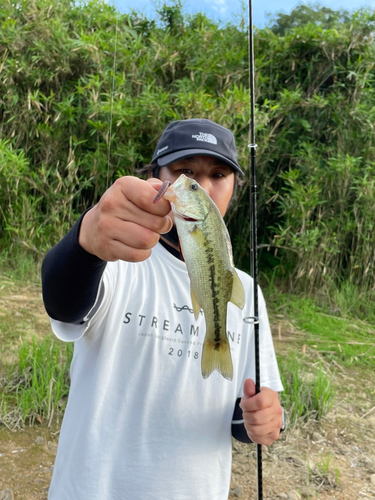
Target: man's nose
(205, 183)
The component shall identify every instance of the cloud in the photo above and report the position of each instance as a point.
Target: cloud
(218, 5)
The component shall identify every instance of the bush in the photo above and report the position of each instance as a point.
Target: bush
(86, 92)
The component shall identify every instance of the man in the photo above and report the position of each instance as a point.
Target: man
(141, 422)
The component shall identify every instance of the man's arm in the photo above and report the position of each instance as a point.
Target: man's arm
(124, 224)
(70, 279)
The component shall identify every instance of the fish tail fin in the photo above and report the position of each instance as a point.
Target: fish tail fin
(216, 356)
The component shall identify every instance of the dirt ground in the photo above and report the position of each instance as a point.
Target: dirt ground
(335, 460)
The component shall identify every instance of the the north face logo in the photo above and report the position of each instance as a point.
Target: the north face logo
(203, 137)
(161, 150)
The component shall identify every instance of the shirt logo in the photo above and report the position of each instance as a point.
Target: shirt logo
(203, 137)
(185, 308)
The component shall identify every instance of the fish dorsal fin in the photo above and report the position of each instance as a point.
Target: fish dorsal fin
(238, 292)
(196, 306)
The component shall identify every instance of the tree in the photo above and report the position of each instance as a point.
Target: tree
(323, 17)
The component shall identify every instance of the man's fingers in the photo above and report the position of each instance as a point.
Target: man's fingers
(261, 430)
(263, 437)
(169, 225)
(139, 236)
(136, 246)
(129, 194)
(262, 400)
(143, 195)
(266, 432)
(116, 250)
(260, 417)
(249, 388)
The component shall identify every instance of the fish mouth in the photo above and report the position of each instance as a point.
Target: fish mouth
(186, 218)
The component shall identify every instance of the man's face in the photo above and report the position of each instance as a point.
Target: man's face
(215, 177)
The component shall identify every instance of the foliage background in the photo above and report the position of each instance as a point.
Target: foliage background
(86, 91)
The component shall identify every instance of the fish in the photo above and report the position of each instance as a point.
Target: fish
(207, 251)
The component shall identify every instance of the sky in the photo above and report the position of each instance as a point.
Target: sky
(227, 10)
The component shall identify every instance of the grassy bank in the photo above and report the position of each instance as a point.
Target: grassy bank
(312, 344)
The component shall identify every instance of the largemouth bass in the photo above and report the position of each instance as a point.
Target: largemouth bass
(207, 251)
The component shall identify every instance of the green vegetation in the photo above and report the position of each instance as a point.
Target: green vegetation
(86, 92)
(36, 387)
(324, 473)
(308, 394)
(343, 338)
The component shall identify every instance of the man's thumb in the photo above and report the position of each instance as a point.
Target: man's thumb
(249, 389)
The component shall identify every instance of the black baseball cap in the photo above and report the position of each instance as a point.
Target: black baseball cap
(193, 137)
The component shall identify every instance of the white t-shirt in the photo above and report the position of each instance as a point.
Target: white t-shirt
(141, 423)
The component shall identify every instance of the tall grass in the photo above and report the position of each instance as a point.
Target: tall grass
(337, 322)
(308, 394)
(35, 388)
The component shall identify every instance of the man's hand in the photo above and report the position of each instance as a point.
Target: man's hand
(262, 413)
(125, 224)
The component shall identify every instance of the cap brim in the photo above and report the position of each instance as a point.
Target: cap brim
(166, 160)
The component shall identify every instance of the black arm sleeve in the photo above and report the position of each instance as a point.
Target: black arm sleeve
(70, 279)
(238, 428)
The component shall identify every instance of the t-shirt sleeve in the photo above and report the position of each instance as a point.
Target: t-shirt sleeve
(71, 332)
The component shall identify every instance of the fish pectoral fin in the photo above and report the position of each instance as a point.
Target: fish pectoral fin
(238, 293)
(193, 229)
(196, 306)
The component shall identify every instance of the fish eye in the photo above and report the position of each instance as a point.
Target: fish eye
(194, 187)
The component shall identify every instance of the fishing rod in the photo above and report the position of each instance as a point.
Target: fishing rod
(253, 222)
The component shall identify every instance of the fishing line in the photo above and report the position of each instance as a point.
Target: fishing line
(114, 69)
